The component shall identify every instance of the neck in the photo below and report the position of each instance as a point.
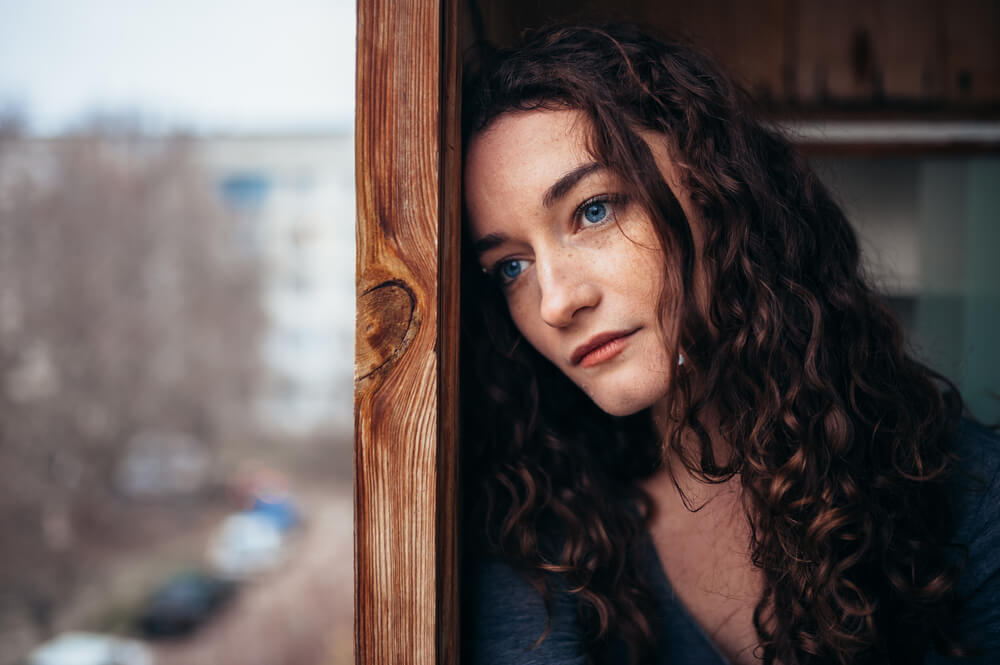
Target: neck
(668, 426)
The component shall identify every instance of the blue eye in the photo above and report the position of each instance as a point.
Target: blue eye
(507, 271)
(511, 269)
(595, 212)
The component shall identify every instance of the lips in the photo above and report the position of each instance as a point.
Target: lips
(600, 348)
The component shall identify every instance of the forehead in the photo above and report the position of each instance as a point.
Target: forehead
(519, 133)
(520, 155)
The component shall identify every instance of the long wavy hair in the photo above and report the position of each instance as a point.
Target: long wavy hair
(840, 440)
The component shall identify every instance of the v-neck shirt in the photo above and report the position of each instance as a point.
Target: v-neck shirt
(510, 623)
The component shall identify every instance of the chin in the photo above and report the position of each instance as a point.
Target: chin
(625, 403)
(628, 388)
(620, 410)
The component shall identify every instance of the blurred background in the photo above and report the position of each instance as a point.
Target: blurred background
(176, 331)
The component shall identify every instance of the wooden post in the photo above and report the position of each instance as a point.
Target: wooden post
(405, 422)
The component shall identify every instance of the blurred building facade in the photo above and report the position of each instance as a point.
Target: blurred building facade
(294, 197)
(293, 202)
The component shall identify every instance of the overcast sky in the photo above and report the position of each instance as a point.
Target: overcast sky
(210, 65)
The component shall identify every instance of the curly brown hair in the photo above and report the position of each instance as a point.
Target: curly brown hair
(840, 440)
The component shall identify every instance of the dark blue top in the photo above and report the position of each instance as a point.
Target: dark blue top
(510, 615)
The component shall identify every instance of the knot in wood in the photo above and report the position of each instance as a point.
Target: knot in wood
(385, 326)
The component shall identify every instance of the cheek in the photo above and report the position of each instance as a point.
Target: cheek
(523, 308)
(645, 274)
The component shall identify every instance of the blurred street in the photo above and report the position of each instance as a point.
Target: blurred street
(300, 614)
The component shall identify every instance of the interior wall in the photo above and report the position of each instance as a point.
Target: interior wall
(923, 55)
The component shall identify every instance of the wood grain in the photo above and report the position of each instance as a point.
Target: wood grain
(905, 56)
(407, 143)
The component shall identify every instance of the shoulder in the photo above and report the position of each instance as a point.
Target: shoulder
(978, 447)
(977, 532)
(509, 617)
(977, 493)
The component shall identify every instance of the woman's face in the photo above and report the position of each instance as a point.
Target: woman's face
(579, 263)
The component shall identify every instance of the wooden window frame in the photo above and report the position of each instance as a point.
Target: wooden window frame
(408, 144)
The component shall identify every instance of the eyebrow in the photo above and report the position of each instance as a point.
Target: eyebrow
(563, 185)
(557, 191)
(488, 242)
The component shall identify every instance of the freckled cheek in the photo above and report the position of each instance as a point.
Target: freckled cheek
(655, 274)
(645, 283)
(642, 270)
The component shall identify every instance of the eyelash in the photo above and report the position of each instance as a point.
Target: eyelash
(612, 201)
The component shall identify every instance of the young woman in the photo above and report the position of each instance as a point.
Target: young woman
(693, 433)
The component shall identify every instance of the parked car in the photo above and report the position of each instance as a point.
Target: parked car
(246, 545)
(78, 648)
(185, 602)
(264, 490)
(279, 508)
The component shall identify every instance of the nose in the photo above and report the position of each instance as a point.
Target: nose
(567, 288)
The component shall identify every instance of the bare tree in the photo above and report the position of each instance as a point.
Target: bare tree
(124, 307)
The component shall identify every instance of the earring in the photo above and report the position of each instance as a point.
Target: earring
(680, 359)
